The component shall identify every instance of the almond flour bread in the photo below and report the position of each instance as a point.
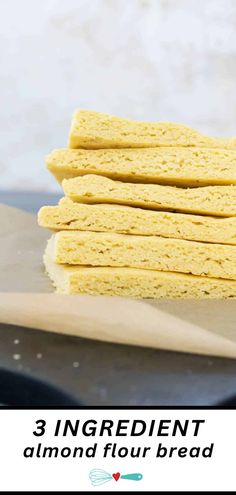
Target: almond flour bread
(172, 165)
(149, 252)
(149, 211)
(132, 282)
(209, 200)
(68, 215)
(94, 130)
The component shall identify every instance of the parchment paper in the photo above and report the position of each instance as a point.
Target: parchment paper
(27, 298)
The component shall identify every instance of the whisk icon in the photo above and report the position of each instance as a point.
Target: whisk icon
(99, 476)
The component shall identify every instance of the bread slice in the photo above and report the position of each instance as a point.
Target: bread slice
(149, 252)
(133, 282)
(68, 215)
(175, 166)
(94, 130)
(209, 200)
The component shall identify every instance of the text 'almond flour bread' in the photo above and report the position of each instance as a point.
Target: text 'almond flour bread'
(149, 252)
(178, 166)
(209, 200)
(68, 215)
(132, 282)
(94, 130)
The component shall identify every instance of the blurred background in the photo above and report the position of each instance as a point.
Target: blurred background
(144, 59)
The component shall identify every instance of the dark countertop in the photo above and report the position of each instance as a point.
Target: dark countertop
(107, 374)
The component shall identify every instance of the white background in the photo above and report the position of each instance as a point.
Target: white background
(147, 59)
(18, 473)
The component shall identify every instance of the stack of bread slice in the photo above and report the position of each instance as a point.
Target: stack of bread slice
(149, 211)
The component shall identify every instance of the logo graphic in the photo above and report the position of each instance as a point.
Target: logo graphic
(99, 477)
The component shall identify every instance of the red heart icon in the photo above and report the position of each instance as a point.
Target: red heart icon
(116, 476)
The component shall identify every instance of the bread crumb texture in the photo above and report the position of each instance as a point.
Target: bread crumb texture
(149, 211)
(94, 130)
(132, 282)
(208, 200)
(69, 215)
(148, 252)
(178, 166)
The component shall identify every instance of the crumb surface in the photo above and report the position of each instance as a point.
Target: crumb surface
(148, 252)
(94, 130)
(68, 215)
(174, 166)
(132, 282)
(209, 200)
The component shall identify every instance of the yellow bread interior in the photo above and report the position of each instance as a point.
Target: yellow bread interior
(132, 282)
(94, 130)
(68, 215)
(209, 200)
(148, 252)
(178, 166)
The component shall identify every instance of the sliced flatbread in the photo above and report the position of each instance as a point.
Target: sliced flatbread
(94, 130)
(209, 200)
(132, 282)
(149, 252)
(69, 215)
(178, 166)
